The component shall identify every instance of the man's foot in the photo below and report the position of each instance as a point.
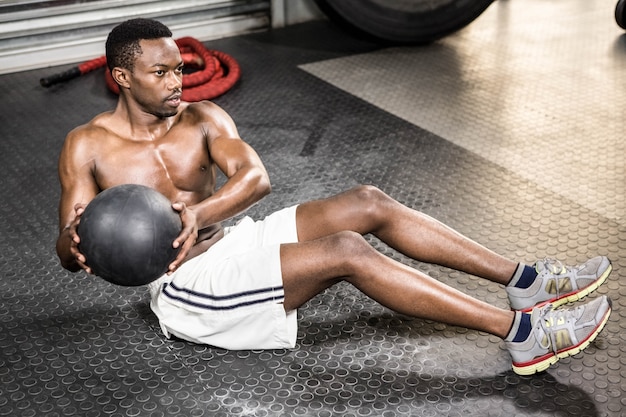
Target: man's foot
(557, 334)
(557, 284)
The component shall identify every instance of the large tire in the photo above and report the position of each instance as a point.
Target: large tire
(403, 21)
(620, 13)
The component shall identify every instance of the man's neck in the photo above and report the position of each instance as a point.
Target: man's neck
(140, 125)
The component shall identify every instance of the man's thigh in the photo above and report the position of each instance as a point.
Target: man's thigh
(354, 210)
(309, 268)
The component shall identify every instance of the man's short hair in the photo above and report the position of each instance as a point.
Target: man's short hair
(122, 45)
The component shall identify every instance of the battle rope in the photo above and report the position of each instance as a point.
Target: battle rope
(217, 71)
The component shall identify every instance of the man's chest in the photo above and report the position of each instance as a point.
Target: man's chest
(183, 164)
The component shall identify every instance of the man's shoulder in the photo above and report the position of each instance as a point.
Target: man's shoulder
(94, 130)
(202, 109)
(212, 117)
(202, 105)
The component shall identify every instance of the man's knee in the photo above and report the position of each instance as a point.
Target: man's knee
(352, 246)
(369, 193)
(371, 201)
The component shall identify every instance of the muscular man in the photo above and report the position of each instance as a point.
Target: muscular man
(239, 287)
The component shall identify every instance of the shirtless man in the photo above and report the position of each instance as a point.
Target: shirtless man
(239, 287)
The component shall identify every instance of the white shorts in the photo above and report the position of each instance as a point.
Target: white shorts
(232, 295)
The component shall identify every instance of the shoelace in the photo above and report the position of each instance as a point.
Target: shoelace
(554, 266)
(548, 320)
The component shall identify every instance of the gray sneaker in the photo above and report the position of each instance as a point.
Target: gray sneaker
(557, 284)
(557, 334)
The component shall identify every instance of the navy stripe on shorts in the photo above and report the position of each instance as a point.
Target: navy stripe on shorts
(223, 302)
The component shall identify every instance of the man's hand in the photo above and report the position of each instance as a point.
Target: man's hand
(81, 261)
(188, 235)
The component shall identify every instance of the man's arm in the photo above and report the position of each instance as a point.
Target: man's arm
(247, 183)
(247, 180)
(78, 187)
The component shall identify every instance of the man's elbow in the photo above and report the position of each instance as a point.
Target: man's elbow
(70, 266)
(257, 183)
(264, 185)
(65, 258)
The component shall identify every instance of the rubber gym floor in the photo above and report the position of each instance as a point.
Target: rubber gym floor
(510, 131)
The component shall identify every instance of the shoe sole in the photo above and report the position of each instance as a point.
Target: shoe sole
(575, 296)
(541, 364)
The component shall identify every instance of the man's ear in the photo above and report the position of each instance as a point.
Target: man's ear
(121, 77)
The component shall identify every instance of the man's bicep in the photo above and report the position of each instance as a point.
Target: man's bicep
(78, 184)
(233, 154)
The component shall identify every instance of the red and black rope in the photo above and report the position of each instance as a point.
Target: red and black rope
(217, 72)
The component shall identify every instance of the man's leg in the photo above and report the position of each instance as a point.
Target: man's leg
(366, 209)
(312, 266)
(535, 340)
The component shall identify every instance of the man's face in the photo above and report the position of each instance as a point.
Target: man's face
(156, 80)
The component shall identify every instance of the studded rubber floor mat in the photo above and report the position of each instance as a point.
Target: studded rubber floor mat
(75, 345)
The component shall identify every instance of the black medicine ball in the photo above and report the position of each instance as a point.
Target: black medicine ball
(126, 233)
